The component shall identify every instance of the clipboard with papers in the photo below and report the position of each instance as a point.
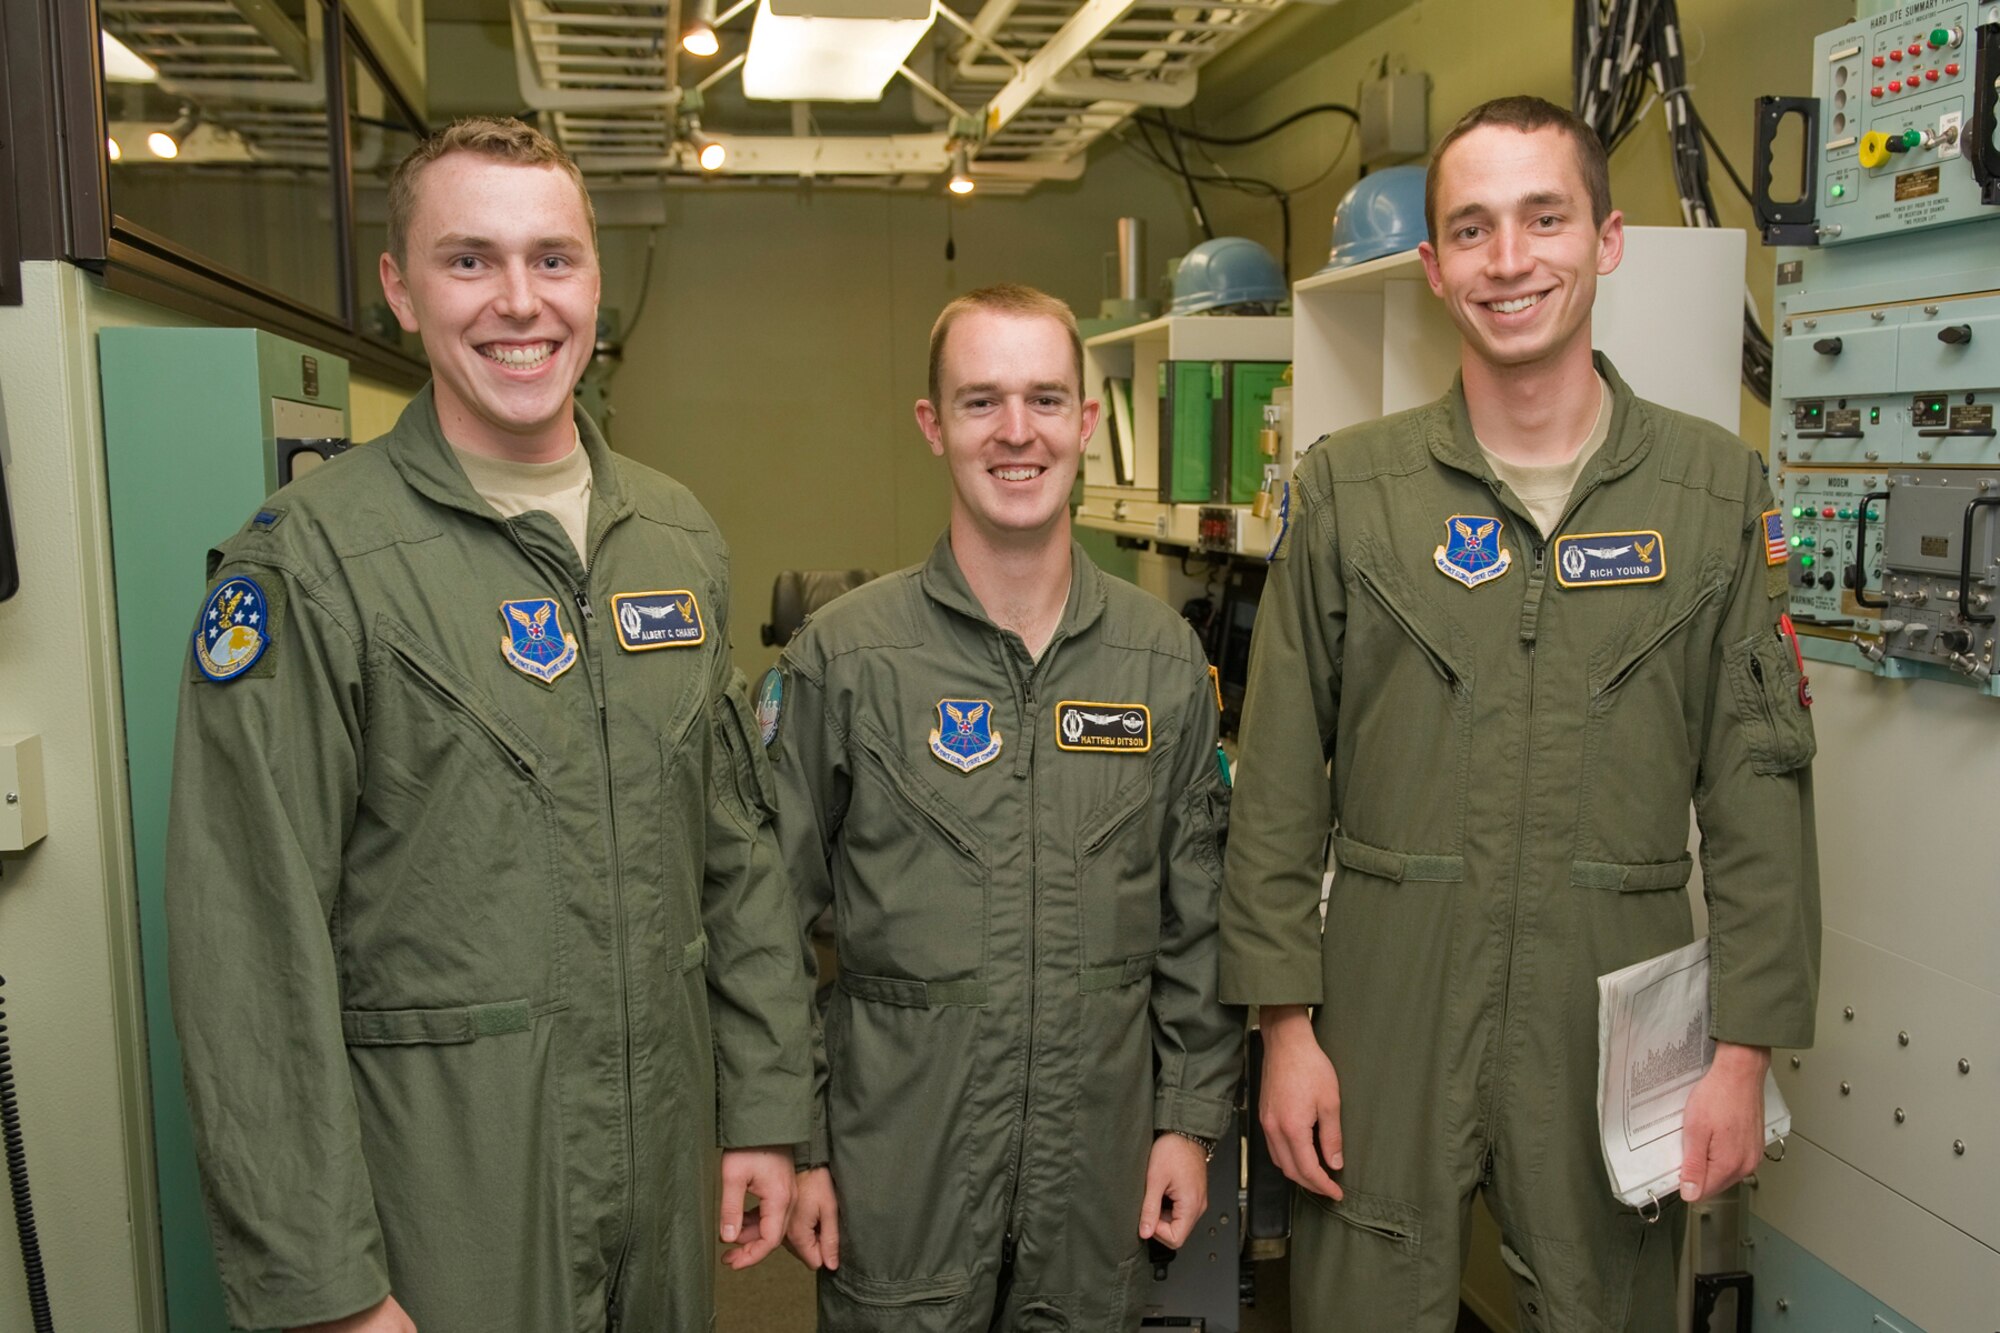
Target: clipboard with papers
(1652, 1048)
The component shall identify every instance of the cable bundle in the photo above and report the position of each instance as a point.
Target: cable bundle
(17, 1180)
(1625, 56)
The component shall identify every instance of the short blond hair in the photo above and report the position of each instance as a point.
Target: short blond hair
(501, 138)
(1006, 298)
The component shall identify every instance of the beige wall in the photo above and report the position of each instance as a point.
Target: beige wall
(1474, 50)
(785, 342)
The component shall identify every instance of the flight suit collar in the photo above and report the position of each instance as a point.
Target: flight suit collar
(417, 446)
(944, 583)
(1448, 435)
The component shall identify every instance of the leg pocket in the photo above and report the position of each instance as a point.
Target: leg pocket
(1356, 1262)
(850, 1302)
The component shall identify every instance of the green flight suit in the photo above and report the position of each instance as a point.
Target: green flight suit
(1512, 755)
(472, 969)
(1026, 922)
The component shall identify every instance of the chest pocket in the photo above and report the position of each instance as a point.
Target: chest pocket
(1642, 734)
(451, 895)
(1406, 690)
(1118, 881)
(913, 898)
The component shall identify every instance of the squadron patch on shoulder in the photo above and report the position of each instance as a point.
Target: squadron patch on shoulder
(1472, 553)
(1122, 728)
(1776, 550)
(1610, 559)
(235, 629)
(770, 702)
(649, 620)
(964, 737)
(535, 644)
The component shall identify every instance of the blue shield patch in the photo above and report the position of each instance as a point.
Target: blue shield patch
(1609, 559)
(965, 738)
(1472, 553)
(234, 629)
(649, 620)
(535, 644)
(770, 703)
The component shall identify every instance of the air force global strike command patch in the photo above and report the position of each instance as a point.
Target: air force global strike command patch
(1472, 553)
(649, 620)
(1610, 559)
(535, 644)
(965, 738)
(235, 629)
(1119, 728)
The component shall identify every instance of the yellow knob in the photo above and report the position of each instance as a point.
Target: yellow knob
(1874, 149)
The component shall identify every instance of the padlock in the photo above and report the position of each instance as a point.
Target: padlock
(1267, 441)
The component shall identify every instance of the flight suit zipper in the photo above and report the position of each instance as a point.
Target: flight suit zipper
(586, 618)
(1024, 697)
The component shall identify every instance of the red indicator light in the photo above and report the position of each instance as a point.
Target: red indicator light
(1895, 85)
(1875, 92)
(1877, 62)
(1951, 69)
(1826, 512)
(1916, 48)
(1931, 74)
(1896, 54)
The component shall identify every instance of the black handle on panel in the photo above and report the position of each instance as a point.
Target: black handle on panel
(1977, 137)
(1955, 335)
(1965, 559)
(1797, 222)
(1827, 346)
(1861, 597)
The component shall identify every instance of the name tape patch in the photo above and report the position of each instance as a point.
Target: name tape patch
(1083, 724)
(649, 620)
(1610, 559)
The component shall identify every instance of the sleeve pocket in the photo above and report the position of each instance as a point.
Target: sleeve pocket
(1770, 704)
(746, 756)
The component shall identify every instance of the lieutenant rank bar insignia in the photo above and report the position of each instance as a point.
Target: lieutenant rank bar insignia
(1121, 728)
(1608, 559)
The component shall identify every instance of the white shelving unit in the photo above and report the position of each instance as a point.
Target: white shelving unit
(1134, 508)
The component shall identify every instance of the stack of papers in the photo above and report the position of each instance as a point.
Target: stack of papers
(1652, 1048)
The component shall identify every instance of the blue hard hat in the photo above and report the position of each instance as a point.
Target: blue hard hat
(1227, 271)
(1383, 214)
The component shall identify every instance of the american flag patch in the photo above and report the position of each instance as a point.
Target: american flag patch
(1775, 550)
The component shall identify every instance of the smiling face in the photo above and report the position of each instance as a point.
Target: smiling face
(1010, 423)
(500, 279)
(1517, 256)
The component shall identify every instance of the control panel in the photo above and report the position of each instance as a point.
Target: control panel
(1898, 96)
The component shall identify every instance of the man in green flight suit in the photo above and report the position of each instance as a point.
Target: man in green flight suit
(1000, 767)
(479, 940)
(1525, 624)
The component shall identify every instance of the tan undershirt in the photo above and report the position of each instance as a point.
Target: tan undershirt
(560, 489)
(1545, 487)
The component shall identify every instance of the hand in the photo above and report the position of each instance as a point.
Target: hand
(814, 1234)
(1176, 1175)
(1300, 1093)
(767, 1173)
(385, 1316)
(1722, 1131)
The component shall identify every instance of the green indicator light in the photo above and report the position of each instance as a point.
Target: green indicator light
(1937, 407)
(1806, 561)
(1874, 416)
(1812, 541)
(1847, 513)
(1798, 541)
(1940, 36)
(1798, 511)
(1839, 190)
(1913, 138)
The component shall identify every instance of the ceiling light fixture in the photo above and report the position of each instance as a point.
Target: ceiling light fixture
(709, 150)
(111, 148)
(698, 36)
(961, 181)
(804, 58)
(167, 143)
(121, 65)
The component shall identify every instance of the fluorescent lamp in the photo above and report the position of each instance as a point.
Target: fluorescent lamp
(799, 59)
(122, 66)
